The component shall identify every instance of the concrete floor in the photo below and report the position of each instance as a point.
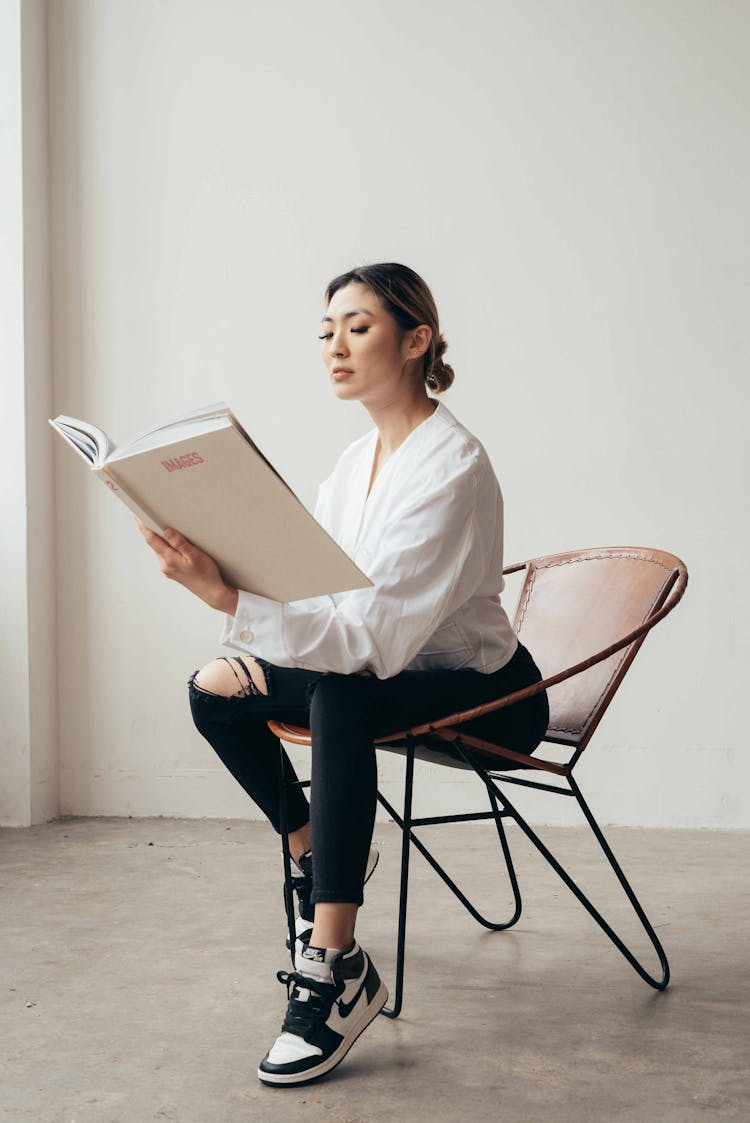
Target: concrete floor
(137, 982)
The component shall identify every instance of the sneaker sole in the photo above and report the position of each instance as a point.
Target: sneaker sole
(368, 1015)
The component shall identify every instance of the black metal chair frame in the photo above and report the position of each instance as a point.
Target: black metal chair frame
(501, 806)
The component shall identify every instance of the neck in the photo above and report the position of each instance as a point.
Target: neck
(395, 420)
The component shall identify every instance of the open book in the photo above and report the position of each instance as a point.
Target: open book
(202, 475)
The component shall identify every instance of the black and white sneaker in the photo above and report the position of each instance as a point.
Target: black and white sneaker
(302, 885)
(333, 997)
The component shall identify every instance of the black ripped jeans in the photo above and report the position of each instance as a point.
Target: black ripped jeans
(345, 713)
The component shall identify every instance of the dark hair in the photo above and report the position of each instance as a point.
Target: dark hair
(410, 302)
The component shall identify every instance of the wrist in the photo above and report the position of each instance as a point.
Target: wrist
(228, 601)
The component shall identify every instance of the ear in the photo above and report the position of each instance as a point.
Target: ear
(418, 340)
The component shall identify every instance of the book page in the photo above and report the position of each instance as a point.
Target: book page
(90, 442)
(216, 409)
(181, 430)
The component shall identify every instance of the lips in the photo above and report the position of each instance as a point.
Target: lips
(342, 370)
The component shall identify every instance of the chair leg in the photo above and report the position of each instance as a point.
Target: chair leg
(657, 983)
(508, 865)
(405, 823)
(498, 814)
(288, 891)
(637, 907)
(407, 837)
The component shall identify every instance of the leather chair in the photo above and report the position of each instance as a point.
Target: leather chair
(583, 615)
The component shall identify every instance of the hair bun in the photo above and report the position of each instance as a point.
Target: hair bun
(440, 375)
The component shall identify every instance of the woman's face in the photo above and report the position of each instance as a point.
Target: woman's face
(365, 354)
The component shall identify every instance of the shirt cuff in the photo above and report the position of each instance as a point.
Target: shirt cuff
(256, 628)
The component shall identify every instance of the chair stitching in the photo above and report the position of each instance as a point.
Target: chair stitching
(582, 558)
(604, 557)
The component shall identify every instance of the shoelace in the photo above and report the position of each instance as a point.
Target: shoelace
(303, 1014)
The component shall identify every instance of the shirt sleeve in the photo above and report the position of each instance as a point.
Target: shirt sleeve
(430, 559)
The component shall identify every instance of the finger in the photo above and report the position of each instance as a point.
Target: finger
(157, 543)
(178, 541)
(145, 530)
(173, 535)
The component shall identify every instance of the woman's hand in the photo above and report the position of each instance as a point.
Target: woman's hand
(185, 563)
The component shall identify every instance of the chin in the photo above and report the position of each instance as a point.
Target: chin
(342, 390)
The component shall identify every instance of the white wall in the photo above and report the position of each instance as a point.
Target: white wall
(40, 485)
(572, 182)
(28, 682)
(14, 737)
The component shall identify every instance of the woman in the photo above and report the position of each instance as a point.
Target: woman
(416, 504)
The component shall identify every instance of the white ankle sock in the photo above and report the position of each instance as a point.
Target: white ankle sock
(315, 962)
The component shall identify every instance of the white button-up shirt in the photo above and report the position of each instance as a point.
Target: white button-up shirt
(430, 538)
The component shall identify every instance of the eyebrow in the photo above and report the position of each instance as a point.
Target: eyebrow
(356, 312)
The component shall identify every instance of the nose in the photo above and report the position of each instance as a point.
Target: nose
(337, 346)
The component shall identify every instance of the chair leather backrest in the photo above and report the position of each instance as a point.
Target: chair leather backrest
(576, 604)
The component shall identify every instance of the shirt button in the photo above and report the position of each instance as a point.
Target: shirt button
(246, 635)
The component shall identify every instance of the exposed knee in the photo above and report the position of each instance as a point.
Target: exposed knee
(227, 678)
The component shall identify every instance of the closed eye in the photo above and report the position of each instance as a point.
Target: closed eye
(358, 331)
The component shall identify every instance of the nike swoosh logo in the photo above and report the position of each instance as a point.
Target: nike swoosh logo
(345, 1008)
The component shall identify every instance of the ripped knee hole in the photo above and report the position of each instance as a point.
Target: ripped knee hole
(215, 679)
